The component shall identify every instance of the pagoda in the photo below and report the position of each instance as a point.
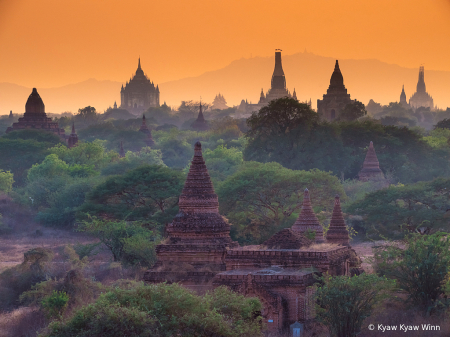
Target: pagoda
(307, 220)
(36, 118)
(421, 98)
(371, 166)
(72, 140)
(198, 236)
(200, 123)
(338, 233)
(336, 98)
(144, 129)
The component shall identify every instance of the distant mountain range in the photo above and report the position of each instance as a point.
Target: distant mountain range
(309, 74)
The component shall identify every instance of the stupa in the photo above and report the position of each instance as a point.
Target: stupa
(307, 220)
(72, 140)
(338, 233)
(144, 129)
(36, 118)
(200, 123)
(371, 166)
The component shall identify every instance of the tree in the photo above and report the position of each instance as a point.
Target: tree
(35, 135)
(160, 310)
(395, 211)
(344, 302)
(190, 109)
(222, 162)
(149, 192)
(352, 111)
(421, 268)
(6, 181)
(260, 199)
(132, 160)
(18, 155)
(129, 242)
(87, 113)
(443, 124)
(52, 166)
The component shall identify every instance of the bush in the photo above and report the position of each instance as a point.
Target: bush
(421, 269)
(163, 310)
(55, 304)
(344, 302)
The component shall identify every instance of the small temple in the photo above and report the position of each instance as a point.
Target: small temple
(200, 123)
(371, 166)
(145, 129)
(403, 101)
(336, 98)
(36, 118)
(200, 254)
(72, 140)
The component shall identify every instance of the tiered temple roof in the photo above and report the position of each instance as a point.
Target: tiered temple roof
(338, 233)
(371, 166)
(73, 137)
(145, 129)
(307, 220)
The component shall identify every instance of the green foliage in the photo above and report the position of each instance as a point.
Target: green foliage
(163, 310)
(421, 268)
(86, 250)
(87, 113)
(352, 111)
(6, 181)
(356, 189)
(36, 135)
(260, 199)
(132, 160)
(222, 162)
(176, 153)
(55, 304)
(443, 124)
(310, 234)
(438, 138)
(344, 302)
(51, 166)
(18, 155)
(149, 192)
(129, 242)
(394, 211)
(91, 154)
(341, 147)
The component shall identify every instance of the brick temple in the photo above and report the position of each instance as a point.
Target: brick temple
(145, 129)
(200, 123)
(371, 166)
(36, 118)
(199, 253)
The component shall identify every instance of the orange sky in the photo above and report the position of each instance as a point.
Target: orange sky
(49, 43)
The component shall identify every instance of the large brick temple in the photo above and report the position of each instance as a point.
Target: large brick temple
(199, 253)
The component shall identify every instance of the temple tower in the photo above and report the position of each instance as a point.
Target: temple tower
(403, 101)
(371, 166)
(36, 118)
(144, 129)
(278, 83)
(421, 98)
(338, 233)
(121, 150)
(307, 220)
(10, 114)
(200, 123)
(139, 93)
(336, 98)
(73, 138)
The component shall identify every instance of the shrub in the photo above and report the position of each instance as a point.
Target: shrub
(421, 268)
(55, 304)
(344, 302)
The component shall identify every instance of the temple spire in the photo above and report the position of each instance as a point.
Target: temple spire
(337, 80)
(200, 123)
(371, 166)
(72, 140)
(421, 82)
(278, 78)
(337, 232)
(307, 220)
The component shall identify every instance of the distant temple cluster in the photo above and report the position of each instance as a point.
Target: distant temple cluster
(200, 254)
(421, 97)
(36, 118)
(139, 93)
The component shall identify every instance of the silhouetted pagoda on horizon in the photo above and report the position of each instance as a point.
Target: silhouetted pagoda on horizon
(36, 118)
(72, 140)
(145, 129)
(421, 97)
(337, 232)
(307, 220)
(371, 166)
(200, 123)
(336, 98)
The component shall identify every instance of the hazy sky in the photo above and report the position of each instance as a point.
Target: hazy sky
(50, 43)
